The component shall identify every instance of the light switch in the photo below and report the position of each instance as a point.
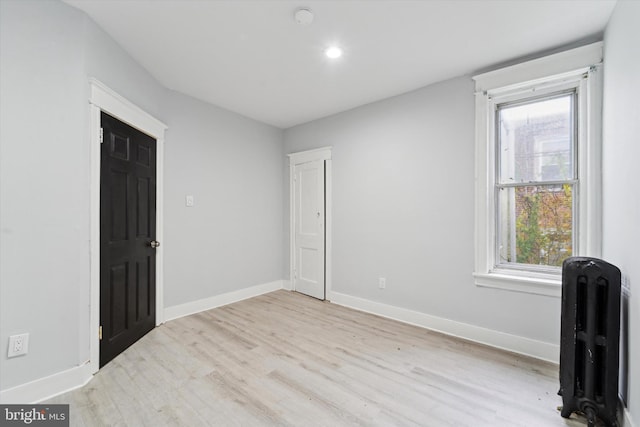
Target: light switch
(189, 201)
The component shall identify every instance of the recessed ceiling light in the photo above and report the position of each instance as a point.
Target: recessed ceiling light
(333, 52)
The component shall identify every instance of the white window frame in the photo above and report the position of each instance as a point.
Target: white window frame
(580, 68)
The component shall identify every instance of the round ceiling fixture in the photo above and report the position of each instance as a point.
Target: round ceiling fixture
(303, 16)
(333, 52)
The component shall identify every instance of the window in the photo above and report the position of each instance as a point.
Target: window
(538, 171)
(535, 181)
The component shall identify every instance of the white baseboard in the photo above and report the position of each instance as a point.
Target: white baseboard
(204, 304)
(626, 419)
(287, 285)
(526, 346)
(47, 387)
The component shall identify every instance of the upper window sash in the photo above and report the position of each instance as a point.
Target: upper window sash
(511, 172)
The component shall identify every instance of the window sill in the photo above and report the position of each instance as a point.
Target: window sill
(548, 286)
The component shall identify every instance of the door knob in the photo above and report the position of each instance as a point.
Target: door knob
(154, 244)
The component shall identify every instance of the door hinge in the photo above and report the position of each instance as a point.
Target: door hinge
(101, 135)
(100, 333)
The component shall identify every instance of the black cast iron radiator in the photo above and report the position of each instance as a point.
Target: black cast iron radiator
(590, 337)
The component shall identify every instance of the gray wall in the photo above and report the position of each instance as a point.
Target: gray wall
(232, 165)
(44, 171)
(106, 61)
(403, 208)
(620, 178)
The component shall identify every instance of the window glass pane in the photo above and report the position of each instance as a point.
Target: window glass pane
(535, 224)
(536, 141)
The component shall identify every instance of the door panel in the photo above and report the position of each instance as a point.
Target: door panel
(308, 179)
(143, 211)
(119, 288)
(309, 214)
(127, 226)
(118, 211)
(308, 265)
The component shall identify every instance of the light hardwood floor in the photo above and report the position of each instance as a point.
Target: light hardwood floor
(287, 359)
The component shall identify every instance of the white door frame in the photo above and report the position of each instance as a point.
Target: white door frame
(299, 158)
(101, 98)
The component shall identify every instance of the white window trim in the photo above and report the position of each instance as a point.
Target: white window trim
(551, 70)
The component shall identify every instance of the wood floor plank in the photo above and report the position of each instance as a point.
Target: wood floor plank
(289, 360)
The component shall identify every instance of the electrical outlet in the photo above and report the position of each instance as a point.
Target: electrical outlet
(382, 282)
(189, 202)
(18, 345)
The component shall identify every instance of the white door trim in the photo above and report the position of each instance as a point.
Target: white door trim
(102, 98)
(299, 158)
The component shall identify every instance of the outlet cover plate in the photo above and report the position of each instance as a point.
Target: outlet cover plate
(18, 345)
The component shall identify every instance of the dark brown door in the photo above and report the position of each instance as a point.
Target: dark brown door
(127, 230)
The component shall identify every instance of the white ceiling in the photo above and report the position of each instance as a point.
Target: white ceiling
(251, 57)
